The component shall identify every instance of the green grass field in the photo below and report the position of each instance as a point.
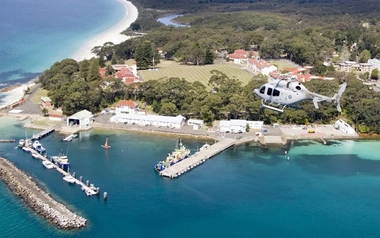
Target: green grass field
(282, 63)
(37, 96)
(191, 73)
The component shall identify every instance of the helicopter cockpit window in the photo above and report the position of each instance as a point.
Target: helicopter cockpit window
(262, 90)
(269, 92)
(276, 93)
(298, 87)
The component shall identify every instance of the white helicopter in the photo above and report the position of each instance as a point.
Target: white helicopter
(282, 92)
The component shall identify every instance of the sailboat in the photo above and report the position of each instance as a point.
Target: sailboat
(106, 146)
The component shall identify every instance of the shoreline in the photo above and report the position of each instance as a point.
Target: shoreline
(113, 34)
(22, 185)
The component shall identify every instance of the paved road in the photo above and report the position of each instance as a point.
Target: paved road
(28, 106)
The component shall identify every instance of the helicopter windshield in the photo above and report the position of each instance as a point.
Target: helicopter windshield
(262, 90)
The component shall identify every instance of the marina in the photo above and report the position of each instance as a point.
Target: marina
(198, 158)
(90, 190)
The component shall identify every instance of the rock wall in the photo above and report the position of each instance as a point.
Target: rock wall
(37, 199)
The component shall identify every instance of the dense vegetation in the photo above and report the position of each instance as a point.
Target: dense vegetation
(307, 34)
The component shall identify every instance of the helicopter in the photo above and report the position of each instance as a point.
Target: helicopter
(283, 92)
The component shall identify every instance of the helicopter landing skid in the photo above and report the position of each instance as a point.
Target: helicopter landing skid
(272, 107)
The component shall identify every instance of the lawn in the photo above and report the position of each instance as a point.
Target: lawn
(283, 63)
(192, 73)
(38, 94)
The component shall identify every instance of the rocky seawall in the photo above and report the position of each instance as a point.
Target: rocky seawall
(37, 199)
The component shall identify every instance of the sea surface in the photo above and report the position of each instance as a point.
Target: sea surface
(247, 191)
(37, 33)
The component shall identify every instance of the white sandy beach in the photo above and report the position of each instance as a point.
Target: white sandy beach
(112, 34)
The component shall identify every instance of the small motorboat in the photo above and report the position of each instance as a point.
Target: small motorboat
(21, 143)
(47, 164)
(35, 155)
(106, 146)
(69, 179)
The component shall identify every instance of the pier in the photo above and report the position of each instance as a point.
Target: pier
(7, 141)
(85, 187)
(197, 159)
(42, 133)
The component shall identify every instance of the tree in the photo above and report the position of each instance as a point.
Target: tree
(375, 74)
(209, 57)
(168, 109)
(135, 26)
(144, 55)
(364, 56)
(45, 111)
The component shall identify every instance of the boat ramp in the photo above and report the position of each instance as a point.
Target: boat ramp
(43, 133)
(87, 188)
(197, 159)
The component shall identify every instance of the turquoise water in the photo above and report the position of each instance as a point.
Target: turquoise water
(246, 191)
(37, 33)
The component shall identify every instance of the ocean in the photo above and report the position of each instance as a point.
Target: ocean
(37, 33)
(246, 191)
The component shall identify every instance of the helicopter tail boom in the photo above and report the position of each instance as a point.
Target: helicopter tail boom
(338, 96)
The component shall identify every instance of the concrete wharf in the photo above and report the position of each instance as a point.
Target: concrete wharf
(88, 190)
(197, 159)
(43, 133)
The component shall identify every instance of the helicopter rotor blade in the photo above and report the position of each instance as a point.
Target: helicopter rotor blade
(339, 95)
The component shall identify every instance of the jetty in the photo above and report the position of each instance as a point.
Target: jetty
(7, 141)
(198, 158)
(87, 188)
(38, 200)
(43, 133)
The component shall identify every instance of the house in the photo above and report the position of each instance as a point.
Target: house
(126, 106)
(150, 120)
(344, 127)
(128, 74)
(260, 66)
(239, 126)
(195, 123)
(46, 101)
(365, 67)
(350, 66)
(82, 119)
(238, 56)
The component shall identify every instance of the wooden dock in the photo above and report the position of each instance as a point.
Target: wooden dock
(89, 191)
(43, 133)
(197, 159)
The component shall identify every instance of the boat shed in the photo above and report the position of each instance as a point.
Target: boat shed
(344, 127)
(239, 126)
(195, 123)
(82, 119)
(149, 120)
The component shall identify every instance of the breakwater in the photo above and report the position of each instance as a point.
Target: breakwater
(37, 199)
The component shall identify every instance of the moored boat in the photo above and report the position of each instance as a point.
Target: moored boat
(180, 153)
(70, 137)
(35, 155)
(47, 164)
(21, 143)
(26, 149)
(61, 160)
(37, 146)
(69, 179)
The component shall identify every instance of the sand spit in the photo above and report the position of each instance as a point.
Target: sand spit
(37, 199)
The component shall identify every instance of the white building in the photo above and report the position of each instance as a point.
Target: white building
(126, 106)
(260, 66)
(344, 127)
(149, 120)
(195, 123)
(82, 119)
(239, 126)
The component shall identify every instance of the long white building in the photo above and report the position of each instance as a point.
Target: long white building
(149, 120)
(239, 126)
